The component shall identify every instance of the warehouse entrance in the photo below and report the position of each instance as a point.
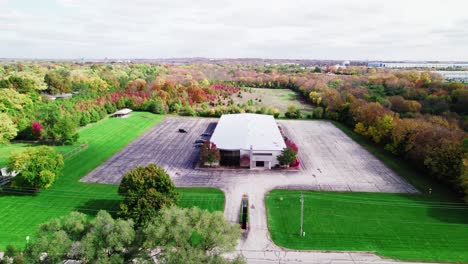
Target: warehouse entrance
(230, 158)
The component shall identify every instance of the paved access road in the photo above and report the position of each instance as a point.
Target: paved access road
(330, 160)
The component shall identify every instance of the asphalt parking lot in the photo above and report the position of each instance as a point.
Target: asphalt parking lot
(162, 145)
(330, 160)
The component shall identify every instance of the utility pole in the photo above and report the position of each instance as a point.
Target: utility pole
(302, 213)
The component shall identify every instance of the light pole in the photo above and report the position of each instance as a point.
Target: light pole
(302, 214)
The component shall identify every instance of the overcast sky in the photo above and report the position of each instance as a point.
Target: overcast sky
(325, 29)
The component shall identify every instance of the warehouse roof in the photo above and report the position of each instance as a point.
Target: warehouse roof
(241, 131)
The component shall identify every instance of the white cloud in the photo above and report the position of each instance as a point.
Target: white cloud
(339, 29)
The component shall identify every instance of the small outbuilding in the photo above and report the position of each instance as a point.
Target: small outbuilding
(250, 140)
(122, 113)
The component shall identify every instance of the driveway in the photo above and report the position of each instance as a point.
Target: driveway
(330, 160)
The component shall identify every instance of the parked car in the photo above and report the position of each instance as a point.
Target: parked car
(182, 130)
(206, 135)
(198, 145)
(200, 141)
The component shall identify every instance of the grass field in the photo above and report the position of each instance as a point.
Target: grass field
(407, 227)
(21, 213)
(278, 98)
(7, 150)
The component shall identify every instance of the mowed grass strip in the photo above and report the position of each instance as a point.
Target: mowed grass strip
(21, 213)
(211, 199)
(402, 226)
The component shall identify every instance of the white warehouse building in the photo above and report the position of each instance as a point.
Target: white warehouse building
(252, 137)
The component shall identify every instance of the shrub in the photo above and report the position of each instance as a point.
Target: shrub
(245, 161)
(36, 129)
(288, 156)
(318, 112)
(293, 112)
(156, 106)
(187, 111)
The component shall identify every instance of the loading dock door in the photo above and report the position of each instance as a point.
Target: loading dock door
(230, 157)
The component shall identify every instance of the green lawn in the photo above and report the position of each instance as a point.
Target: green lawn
(21, 213)
(278, 98)
(210, 199)
(407, 227)
(7, 150)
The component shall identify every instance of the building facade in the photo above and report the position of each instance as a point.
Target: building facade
(248, 140)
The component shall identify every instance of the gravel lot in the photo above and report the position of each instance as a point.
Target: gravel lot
(330, 160)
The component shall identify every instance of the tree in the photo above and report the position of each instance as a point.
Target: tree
(381, 129)
(288, 156)
(13, 255)
(12, 100)
(21, 84)
(435, 105)
(146, 190)
(60, 129)
(209, 153)
(191, 236)
(8, 129)
(37, 167)
(101, 240)
(460, 101)
(58, 81)
(108, 240)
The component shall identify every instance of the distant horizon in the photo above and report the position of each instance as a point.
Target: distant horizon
(227, 58)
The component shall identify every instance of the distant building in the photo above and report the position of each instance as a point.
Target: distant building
(122, 113)
(435, 65)
(59, 96)
(248, 136)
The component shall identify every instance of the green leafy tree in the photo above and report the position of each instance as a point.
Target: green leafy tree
(60, 129)
(11, 100)
(379, 131)
(58, 81)
(101, 240)
(146, 190)
(13, 255)
(37, 167)
(191, 236)
(108, 240)
(8, 129)
(288, 156)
